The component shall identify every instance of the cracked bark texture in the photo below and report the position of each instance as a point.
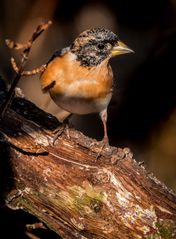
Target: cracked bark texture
(74, 193)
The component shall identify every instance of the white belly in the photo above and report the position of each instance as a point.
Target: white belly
(81, 105)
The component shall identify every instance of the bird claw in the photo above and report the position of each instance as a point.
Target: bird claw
(105, 144)
(101, 145)
(59, 131)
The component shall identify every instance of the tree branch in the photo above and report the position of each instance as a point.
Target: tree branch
(72, 192)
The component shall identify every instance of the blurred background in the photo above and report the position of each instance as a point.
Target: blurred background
(142, 113)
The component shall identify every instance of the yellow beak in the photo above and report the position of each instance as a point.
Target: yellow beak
(120, 48)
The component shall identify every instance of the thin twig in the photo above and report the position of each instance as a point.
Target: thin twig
(37, 225)
(14, 65)
(19, 70)
(31, 235)
(16, 45)
(35, 71)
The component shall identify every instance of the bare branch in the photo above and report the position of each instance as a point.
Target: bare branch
(37, 225)
(27, 73)
(34, 71)
(31, 235)
(19, 46)
(15, 45)
(39, 30)
(20, 69)
(14, 65)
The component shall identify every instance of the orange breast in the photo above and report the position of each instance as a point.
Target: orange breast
(73, 80)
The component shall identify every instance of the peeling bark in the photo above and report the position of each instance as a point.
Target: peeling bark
(70, 190)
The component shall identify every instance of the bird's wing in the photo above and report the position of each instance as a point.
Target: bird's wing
(48, 82)
(58, 53)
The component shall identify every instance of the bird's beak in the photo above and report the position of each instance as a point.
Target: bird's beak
(120, 48)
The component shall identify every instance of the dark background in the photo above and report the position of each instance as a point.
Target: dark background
(142, 113)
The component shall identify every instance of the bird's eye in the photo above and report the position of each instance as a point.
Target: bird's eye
(101, 46)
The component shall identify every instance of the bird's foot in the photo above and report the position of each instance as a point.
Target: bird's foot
(59, 131)
(100, 146)
(104, 144)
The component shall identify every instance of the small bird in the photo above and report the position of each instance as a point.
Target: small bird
(79, 78)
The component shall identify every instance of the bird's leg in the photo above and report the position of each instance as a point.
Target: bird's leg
(65, 127)
(105, 141)
(104, 116)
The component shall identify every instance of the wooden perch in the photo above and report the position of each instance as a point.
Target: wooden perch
(72, 192)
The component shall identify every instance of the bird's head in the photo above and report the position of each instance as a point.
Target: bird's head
(95, 45)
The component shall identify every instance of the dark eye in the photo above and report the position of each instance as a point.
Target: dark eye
(101, 46)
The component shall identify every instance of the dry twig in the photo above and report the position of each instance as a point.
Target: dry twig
(31, 235)
(20, 70)
(37, 225)
(27, 73)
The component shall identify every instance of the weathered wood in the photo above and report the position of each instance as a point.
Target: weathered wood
(70, 190)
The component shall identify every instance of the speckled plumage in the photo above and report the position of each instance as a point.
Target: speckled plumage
(93, 46)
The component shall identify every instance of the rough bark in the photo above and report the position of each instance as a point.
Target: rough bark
(72, 191)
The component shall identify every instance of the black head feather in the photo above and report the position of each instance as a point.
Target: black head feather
(93, 46)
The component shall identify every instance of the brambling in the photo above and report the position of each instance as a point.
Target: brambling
(79, 78)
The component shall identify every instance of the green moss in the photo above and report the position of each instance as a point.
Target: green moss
(84, 198)
(165, 230)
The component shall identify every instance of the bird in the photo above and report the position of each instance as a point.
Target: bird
(79, 78)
